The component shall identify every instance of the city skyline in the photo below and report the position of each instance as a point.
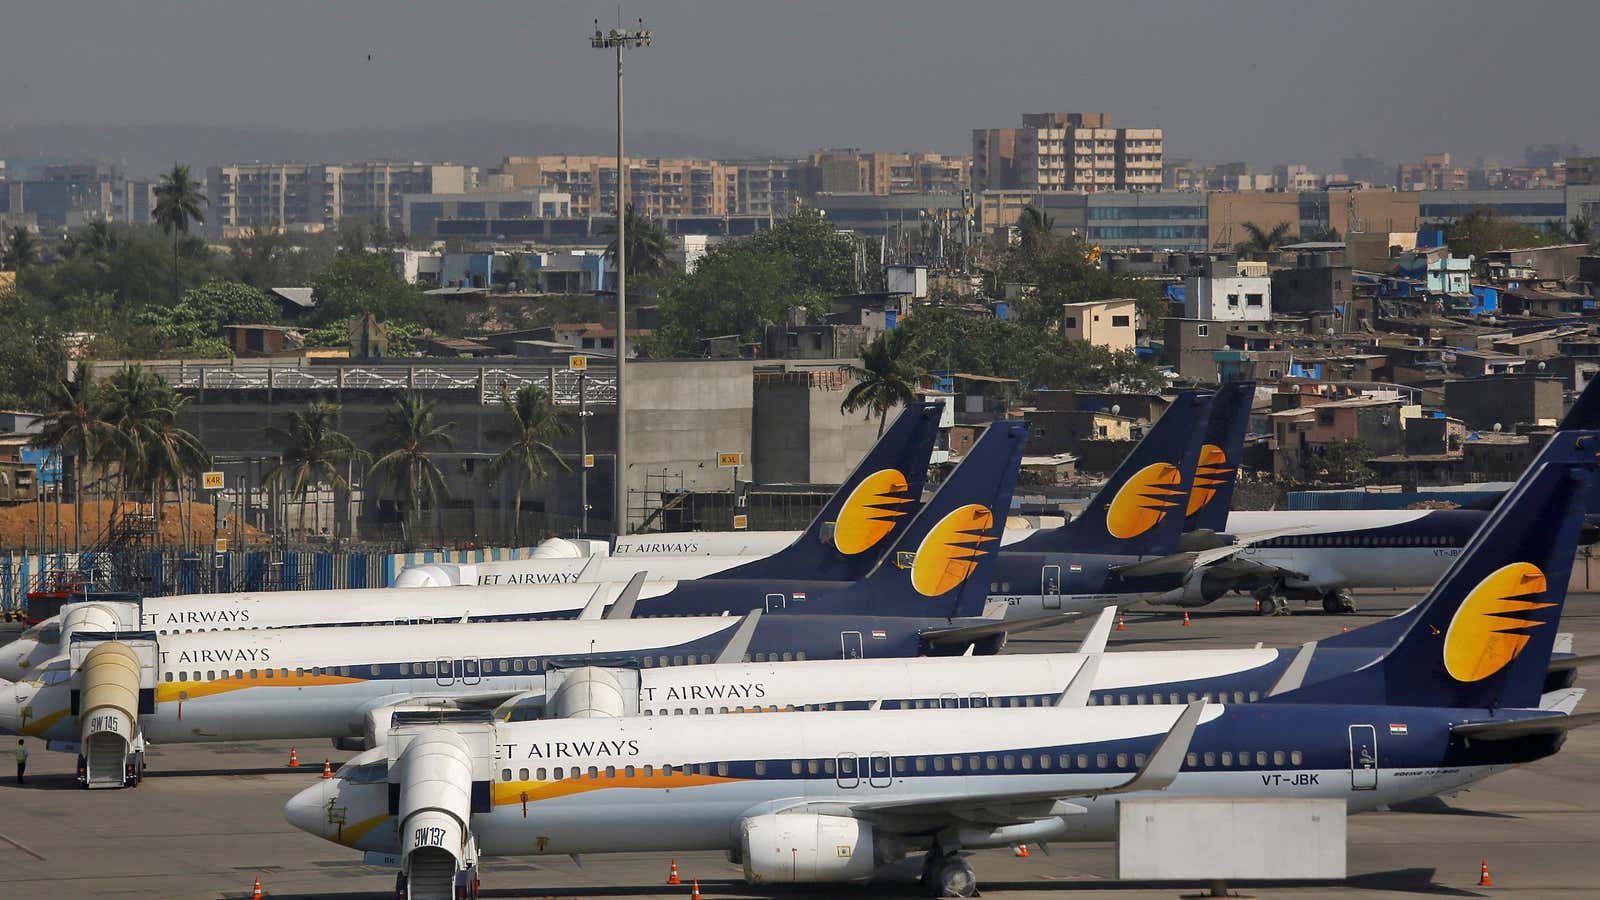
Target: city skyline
(1275, 84)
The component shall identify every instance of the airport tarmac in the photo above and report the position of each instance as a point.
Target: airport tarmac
(208, 819)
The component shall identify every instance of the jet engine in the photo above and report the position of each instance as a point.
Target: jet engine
(1195, 592)
(798, 848)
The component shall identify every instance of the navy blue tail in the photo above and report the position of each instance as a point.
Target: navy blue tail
(1140, 510)
(867, 514)
(1585, 412)
(1217, 470)
(940, 566)
(1483, 636)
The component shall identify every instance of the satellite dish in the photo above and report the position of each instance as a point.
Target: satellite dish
(1116, 409)
(1497, 427)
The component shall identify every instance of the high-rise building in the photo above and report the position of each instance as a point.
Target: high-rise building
(656, 187)
(882, 174)
(1067, 152)
(312, 196)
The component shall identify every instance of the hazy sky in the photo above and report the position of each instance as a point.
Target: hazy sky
(1282, 81)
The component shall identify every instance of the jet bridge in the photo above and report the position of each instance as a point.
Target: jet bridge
(440, 773)
(102, 612)
(113, 683)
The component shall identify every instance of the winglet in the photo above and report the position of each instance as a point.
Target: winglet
(739, 644)
(1099, 632)
(1082, 683)
(629, 598)
(1162, 768)
(596, 605)
(1295, 675)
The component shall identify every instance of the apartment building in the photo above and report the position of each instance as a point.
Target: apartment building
(656, 187)
(67, 195)
(421, 212)
(1067, 152)
(313, 196)
(852, 171)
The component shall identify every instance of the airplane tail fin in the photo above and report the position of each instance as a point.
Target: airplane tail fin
(868, 512)
(941, 564)
(1139, 510)
(1484, 634)
(1585, 412)
(1217, 470)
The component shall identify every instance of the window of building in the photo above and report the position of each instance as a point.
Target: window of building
(1120, 321)
(1253, 300)
(1233, 301)
(1202, 330)
(1072, 321)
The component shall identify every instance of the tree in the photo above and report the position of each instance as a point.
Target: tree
(1581, 230)
(647, 244)
(193, 327)
(536, 423)
(150, 448)
(405, 468)
(514, 273)
(22, 250)
(886, 378)
(73, 429)
(1344, 462)
(96, 240)
(312, 451)
(1264, 241)
(1034, 228)
(1482, 230)
(178, 203)
(356, 284)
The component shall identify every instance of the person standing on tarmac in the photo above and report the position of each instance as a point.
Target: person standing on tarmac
(22, 760)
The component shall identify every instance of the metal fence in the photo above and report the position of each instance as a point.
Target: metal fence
(156, 573)
(489, 381)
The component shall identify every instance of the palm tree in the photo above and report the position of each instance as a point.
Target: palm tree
(22, 250)
(96, 240)
(73, 429)
(647, 244)
(535, 424)
(885, 379)
(312, 451)
(1261, 241)
(405, 468)
(1034, 227)
(514, 272)
(178, 203)
(149, 447)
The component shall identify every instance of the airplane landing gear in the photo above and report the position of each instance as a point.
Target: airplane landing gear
(1271, 602)
(1339, 602)
(948, 875)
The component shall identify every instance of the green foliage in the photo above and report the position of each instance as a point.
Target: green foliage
(192, 328)
(21, 250)
(405, 469)
(742, 286)
(1482, 230)
(268, 260)
(1344, 462)
(1264, 240)
(355, 284)
(1060, 272)
(648, 245)
(535, 424)
(312, 451)
(886, 378)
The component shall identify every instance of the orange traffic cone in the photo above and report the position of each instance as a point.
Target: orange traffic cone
(294, 759)
(1483, 874)
(1122, 624)
(1186, 618)
(672, 874)
(256, 893)
(327, 769)
(1022, 851)
(694, 892)
(1344, 629)
(1258, 607)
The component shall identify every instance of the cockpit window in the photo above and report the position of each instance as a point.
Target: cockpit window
(369, 773)
(44, 633)
(52, 675)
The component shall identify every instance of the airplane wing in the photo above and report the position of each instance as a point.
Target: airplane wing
(963, 634)
(1207, 558)
(1510, 729)
(920, 813)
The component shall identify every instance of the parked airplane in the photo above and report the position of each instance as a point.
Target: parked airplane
(868, 522)
(832, 796)
(1326, 554)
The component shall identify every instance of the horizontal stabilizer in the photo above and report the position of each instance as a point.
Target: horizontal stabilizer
(962, 634)
(596, 606)
(1564, 701)
(1510, 729)
(739, 644)
(1077, 692)
(1568, 663)
(1295, 675)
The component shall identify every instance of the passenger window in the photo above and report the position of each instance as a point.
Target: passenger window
(799, 656)
(1227, 758)
(761, 767)
(504, 667)
(560, 773)
(1238, 696)
(1123, 699)
(1295, 757)
(238, 673)
(972, 763)
(938, 764)
(1083, 761)
(211, 675)
(1191, 760)
(722, 769)
(921, 765)
(1277, 757)
(899, 765)
(957, 764)
(516, 665)
(376, 670)
(539, 774)
(1254, 696)
(1138, 759)
(1044, 760)
(611, 771)
(594, 772)
(505, 774)
(827, 765)
(794, 767)
(813, 767)
(1211, 759)
(298, 673)
(283, 673)
(1008, 761)
(1027, 760)
(1099, 760)
(1122, 760)
(1173, 697)
(269, 673)
(1261, 757)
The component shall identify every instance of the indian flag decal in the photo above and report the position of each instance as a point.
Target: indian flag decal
(879, 634)
(1397, 729)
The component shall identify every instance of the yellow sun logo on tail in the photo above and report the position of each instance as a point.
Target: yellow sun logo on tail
(1211, 473)
(1486, 634)
(871, 510)
(951, 549)
(1144, 500)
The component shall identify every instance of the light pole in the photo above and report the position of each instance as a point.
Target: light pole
(617, 39)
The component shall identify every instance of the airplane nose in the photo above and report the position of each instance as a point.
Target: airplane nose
(308, 810)
(11, 702)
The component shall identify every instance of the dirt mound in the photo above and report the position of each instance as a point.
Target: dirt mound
(20, 526)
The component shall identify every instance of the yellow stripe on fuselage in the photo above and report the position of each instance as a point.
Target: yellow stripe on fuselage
(513, 792)
(173, 691)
